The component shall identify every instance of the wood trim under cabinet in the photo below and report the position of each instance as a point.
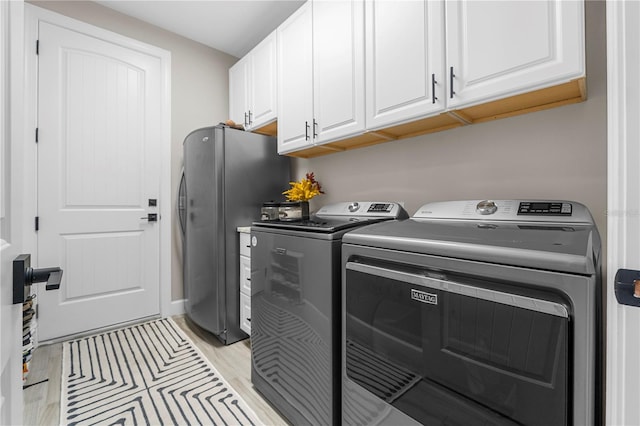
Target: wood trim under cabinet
(571, 92)
(563, 94)
(270, 129)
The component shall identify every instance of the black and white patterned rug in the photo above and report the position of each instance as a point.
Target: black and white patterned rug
(149, 374)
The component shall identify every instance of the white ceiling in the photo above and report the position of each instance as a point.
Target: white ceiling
(232, 26)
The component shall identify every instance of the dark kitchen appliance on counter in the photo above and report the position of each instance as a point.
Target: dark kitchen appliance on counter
(295, 308)
(474, 312)
(228, 173)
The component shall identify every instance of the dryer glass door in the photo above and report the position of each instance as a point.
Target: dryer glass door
(457, 349)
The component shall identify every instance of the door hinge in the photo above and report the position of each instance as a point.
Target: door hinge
(36, 135)
(37, 47)
(37, 223)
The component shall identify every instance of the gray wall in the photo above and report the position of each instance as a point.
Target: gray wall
(199, 88)
(558, 153)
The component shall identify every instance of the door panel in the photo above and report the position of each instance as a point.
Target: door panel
(295, 81)
(499, 48)
(98, 252)
(101, 140)
(98, 166)
(404, 65)
(338, 69)
(263, 82)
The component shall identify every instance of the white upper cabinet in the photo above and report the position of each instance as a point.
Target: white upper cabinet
(497, 49)
(338, 69)
(295, 81)
(238, 104)
(262, 89)
(430, 65)
(321, 74)
(405, 60)
(252, 86)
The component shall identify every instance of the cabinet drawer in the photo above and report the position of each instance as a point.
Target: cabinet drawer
(245, 246)
(245, 313)
(245, 275)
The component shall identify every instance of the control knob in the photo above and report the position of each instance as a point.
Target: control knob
(353, 207)
(486, 207)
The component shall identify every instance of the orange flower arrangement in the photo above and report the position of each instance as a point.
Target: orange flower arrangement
(304, 190)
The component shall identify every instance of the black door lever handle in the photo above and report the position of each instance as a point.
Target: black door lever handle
(52, 276)
(24, 275)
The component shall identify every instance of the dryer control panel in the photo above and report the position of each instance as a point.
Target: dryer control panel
(557, 211)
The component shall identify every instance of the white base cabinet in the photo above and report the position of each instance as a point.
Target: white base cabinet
(245, 280)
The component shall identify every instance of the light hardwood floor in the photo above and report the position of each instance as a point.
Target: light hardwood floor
(42, 395)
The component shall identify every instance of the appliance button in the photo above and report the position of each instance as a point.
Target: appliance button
(486, 207)
(353, 207)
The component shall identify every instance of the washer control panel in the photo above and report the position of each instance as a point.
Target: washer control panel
(547, 208)
(507, 210)
(486, 207)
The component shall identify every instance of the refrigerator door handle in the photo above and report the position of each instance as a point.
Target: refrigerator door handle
(182, 203)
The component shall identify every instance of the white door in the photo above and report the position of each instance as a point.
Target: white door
(11, 99)
(99, 115)
(338, 69)
(295, 81)
(623, 215)
(405, 61)
(501, 48)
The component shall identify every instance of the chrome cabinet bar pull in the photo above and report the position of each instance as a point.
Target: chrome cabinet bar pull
(250, 120)
(451, 75)
(245, 119)
(315, 129)
(434, 98)
(306, 130)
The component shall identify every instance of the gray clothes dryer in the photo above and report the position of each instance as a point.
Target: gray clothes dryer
(474, 312)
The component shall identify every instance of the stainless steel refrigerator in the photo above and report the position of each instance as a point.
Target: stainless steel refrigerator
(228, 174)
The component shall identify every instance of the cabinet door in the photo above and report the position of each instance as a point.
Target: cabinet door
(502, 48)
(405, 60)
(295, 83)
(262, 86)
(238, 91)
(245, 313)
(245, 275)
(338, 69)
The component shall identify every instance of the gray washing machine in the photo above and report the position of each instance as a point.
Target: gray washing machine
(295, 308)
(474, 313)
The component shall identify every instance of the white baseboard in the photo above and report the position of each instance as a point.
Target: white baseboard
(176, 307)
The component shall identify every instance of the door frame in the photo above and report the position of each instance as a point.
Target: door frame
(623, 204)
(11, 403)
(33, 15)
